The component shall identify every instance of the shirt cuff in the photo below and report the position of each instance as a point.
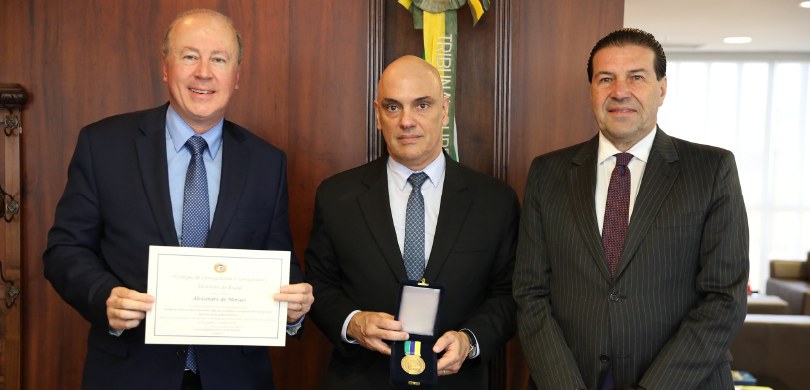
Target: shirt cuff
(476, 350)
(343, 335)
(115, 332)
(292, 329)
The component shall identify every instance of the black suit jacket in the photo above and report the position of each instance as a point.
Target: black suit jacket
(354, 263)
(116, 203)
(667, 319)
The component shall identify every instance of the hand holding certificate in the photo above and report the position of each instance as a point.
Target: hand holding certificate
(207, 296)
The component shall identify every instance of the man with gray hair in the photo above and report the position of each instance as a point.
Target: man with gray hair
(178, 174)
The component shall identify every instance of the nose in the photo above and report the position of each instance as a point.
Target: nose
(203, 70)
(619, 90)
(406, 120)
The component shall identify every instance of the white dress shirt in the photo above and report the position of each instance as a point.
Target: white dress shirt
(606, 161)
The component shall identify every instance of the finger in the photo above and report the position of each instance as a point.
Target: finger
(443, 343)
(388, 323)
(121, 324)
(299, 288)
(125, 293)
(391, 335)
(121, 298)
(292, 298)
(378, 345)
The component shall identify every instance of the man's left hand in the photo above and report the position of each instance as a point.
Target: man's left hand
(299, 300)
(456, 347)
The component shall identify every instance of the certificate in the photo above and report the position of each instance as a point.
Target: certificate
(207, 296)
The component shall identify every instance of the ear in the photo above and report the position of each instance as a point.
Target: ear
(377, 115)
(663, 91)
(445, 110)
(165, 69)
(236, 84)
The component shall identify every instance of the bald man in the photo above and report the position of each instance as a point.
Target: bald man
(125, 192)
(355, 256)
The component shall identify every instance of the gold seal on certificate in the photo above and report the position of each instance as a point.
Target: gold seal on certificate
(412, 363)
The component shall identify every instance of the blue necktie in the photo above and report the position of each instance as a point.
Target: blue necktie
(195, 212)
(414, 251)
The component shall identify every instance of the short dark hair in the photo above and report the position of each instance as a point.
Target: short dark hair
(632, 36)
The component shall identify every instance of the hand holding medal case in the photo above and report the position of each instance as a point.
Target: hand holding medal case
(413, 362)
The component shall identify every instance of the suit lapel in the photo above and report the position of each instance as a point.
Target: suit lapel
(235, 160)
(376, 208)
(151, 150)
(582, 182)
(455, 204)
(659, 175)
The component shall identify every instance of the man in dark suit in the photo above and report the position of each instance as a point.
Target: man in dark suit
(658, 307)
(125, 192)
(355, 256)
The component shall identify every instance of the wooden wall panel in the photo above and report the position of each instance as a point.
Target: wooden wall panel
(550, 107)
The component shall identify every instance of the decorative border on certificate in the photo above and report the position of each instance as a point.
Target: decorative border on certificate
(208, 296)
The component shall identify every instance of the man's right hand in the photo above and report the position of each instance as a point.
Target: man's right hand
(126, 308)
(372, 329)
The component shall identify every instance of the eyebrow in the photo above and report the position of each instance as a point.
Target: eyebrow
(427, 98)
(215, 52)
(609, 73)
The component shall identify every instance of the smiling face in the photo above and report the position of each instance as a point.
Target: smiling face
(201, 69)
(411, 109)
(625, 94)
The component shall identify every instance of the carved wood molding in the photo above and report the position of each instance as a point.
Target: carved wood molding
(12, 100)
(503, 77)
(376, 18)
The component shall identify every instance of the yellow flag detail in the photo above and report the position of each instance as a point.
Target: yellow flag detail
(475, 5)
(434, 27)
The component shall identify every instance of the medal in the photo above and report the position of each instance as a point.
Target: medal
(412, 363)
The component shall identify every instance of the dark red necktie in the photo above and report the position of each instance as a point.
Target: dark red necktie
(614, 227)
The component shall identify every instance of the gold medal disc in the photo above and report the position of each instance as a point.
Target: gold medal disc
(413, 364)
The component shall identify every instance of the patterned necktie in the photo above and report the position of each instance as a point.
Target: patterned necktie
(196, 212)
(614, 227)
(414, 252)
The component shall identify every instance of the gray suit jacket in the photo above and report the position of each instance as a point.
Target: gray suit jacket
(679, 296)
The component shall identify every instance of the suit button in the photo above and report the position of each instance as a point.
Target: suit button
(614, 296)
(604, 358)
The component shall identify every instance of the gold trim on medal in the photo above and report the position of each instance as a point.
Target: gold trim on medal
(413, 364)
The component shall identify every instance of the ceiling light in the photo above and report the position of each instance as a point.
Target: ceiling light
(737, 39)
(804, 4)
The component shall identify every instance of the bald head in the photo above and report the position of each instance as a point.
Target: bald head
(410, 68)
(202, 12)
(411, 110)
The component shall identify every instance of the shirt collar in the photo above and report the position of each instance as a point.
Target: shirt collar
(641, 150)
(434, 170)
(179, 132)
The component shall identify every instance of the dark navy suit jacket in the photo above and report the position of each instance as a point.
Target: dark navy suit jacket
(116, 204)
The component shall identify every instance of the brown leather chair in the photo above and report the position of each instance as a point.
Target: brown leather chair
(790, 280)
(775, 349)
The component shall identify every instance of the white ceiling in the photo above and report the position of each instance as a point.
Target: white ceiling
(701, 25)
